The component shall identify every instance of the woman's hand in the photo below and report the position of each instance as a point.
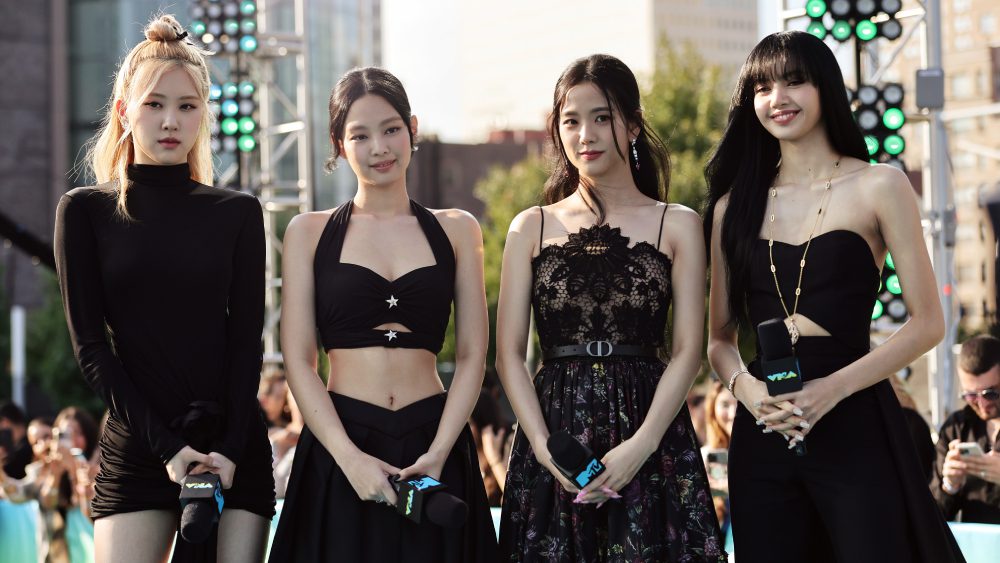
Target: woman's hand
(816, 398)
(431, 464)
(369, 476)
(783, 417)
(620, 466)
(177, 467)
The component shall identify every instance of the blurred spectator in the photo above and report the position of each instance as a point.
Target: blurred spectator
(967, 473)
(16, 452)
(493, 437)
(920, 431)
(720, 411)
(284, 422)
(696, 406)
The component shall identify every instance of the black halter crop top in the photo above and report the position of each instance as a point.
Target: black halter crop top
(351, 299)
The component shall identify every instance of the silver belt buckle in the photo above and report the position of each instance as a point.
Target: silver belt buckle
(599, 348)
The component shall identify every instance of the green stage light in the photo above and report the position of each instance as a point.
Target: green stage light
(198, 28)
(894, 145)
(248, 7)
(892, 284)
(866, 30)
(247, 125)
(816, 29)
(815, 8)
(231, 27)
(246, 143)
(893, 118)
(841, 30)
(889, 262)
(878, 311)
(873, 145)
(248, 27)
(248, 43)
(246, 89)
(229, 126)
(229, 90)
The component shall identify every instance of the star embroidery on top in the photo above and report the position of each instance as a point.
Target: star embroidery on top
(391, 334)
(392, 301)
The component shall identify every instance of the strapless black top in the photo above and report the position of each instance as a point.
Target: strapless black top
(351, 299)
(839, 285)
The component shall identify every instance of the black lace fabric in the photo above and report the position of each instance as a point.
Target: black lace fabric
(596, 287)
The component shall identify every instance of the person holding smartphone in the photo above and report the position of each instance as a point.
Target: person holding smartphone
(966, 481)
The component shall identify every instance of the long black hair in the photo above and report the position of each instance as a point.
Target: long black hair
(745, 163)
(620, 88)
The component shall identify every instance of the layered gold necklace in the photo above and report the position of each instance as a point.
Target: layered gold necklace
(793, 329)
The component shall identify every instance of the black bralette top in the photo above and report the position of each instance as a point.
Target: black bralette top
(351, 299)
(839, 284)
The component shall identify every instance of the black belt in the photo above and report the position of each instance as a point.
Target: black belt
(598, 349)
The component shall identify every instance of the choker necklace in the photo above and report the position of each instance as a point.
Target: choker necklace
(793, 329)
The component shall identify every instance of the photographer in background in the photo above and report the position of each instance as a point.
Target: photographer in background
(967, 472)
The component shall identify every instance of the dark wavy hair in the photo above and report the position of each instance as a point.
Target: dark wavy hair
(745, 162)
(355, 84)
(620, 88)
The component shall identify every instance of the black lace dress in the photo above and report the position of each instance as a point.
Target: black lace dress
(596, 287)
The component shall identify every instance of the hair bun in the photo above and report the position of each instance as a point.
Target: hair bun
(165, 28)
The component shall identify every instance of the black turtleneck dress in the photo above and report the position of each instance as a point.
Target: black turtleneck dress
(165, 311)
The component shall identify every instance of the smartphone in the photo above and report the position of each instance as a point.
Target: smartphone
(718, 456)
(969, 449)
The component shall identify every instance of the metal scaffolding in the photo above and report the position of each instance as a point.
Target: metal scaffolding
(283, 180)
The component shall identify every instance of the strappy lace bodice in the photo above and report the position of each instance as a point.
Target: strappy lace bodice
(596, 287)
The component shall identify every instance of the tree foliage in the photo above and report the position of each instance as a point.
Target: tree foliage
(684, 104)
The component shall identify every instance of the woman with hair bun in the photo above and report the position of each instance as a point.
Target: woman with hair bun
(162, 278)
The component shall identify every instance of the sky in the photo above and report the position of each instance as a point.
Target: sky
(423, 40)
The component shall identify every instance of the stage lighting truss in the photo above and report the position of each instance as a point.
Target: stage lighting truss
(864, 20)
(225, 26)
(880, 117)
(235, 107)
(889, 305)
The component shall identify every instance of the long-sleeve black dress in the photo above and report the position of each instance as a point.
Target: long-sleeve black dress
(165, 311)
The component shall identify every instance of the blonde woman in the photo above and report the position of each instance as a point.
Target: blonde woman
(173, 269)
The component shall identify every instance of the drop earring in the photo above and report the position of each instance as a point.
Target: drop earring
(635, 154)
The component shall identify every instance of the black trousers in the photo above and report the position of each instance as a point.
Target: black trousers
(858, 495)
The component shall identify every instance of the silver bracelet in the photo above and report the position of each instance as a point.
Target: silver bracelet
(735, 375)
(949, 487)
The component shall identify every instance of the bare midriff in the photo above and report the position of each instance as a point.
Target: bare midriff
(391, 378)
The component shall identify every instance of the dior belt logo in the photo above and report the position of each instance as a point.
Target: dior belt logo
(599, 348)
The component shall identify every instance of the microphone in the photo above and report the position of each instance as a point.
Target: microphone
(575, 460)
(201, 501)
(422, 496)
(778, 363)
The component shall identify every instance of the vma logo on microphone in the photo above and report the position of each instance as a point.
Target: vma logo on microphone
(198, 485)
(409, 503)
(593, 469)
(782, 376)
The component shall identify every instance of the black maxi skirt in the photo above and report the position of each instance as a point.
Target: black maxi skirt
(324, 520)
(858, 495)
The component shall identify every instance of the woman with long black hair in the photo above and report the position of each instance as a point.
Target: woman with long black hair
(601, 264)
(799, 223)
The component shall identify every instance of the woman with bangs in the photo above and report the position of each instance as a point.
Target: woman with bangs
(798, 225)
(601, 265)
(162, 278)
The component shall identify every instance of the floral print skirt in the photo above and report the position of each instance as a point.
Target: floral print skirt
(666, 511)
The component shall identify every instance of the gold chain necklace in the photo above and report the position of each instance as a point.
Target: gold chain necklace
(793, 329)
